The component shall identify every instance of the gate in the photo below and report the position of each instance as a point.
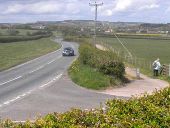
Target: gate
(165, 70)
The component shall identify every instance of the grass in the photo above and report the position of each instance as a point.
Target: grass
(21, 31)
(146, 49)
(89, 77)
(15, 53)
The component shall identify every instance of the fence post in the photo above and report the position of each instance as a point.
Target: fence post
(150, 65)
(137, 73)
(169, 69)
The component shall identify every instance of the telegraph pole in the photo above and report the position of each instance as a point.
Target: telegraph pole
(96, 5)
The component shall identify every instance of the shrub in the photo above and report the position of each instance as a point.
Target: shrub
(105, 61)
(8, 39)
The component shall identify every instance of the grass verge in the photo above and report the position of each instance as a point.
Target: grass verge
(89, 77)
(12, 54)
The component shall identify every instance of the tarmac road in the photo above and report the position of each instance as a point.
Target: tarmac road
(42, 86)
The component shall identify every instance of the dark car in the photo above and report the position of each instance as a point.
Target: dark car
(68, 51)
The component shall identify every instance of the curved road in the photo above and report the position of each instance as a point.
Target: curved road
(42, 86)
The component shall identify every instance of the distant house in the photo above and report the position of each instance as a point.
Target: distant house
(152, 32)
(164, 32)
(109, 31)
(38, 26)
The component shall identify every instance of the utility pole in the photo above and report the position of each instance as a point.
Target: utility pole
(96, 5)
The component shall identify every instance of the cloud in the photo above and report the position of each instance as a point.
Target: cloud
(13, 9)
(167, 10)
(121, 6)
(42, 7)
(152, 6)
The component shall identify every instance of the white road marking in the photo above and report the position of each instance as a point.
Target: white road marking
(30, 91)
(6, 103)
(11, 80)
(51, 61)
(37, 69)
(51, 81)
(44, 65)
(16, 98)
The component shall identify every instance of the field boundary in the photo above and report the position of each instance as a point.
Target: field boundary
(137, 62)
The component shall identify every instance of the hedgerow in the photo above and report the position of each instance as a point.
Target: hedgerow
(149, 111)
(8, 39)
(105, 61)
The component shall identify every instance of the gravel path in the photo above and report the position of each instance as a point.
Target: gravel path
(137, 87)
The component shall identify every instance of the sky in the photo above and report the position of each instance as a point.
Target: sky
(24, 11)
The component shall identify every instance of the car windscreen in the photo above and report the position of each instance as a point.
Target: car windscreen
(68, 49)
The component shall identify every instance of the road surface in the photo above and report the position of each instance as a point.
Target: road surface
(42, 86)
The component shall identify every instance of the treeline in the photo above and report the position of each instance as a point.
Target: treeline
(31, 36)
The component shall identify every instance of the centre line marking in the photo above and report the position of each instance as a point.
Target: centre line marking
(51, 61)
(37, 69)
(11, 80)
(30, 91)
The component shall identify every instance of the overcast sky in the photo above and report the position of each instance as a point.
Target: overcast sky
(22, 11)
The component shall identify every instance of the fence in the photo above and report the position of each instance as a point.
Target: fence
(166, 70)
(137, 62)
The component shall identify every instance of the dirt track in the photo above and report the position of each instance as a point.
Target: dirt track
(137, 86)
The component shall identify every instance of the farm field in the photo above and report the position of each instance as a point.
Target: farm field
(4, 32)
(146, 49)
(15, 53)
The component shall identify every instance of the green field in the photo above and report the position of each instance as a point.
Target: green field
(15, 53)
(146, 49)
(5, 32)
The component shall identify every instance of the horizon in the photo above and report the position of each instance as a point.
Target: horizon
(82, 20)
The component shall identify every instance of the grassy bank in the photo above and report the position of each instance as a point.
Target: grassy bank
(12, 54)
(89, 77)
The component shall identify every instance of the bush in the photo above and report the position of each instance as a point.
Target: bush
(8, 39)
(105, 61)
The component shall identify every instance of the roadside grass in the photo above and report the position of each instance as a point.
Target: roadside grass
(12, 54)
(89, 77)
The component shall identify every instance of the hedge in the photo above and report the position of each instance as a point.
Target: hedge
(105, 61)
(9, 39)
(135, 36)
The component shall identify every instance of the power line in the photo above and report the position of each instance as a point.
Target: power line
(96, 5)
(130, 55)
